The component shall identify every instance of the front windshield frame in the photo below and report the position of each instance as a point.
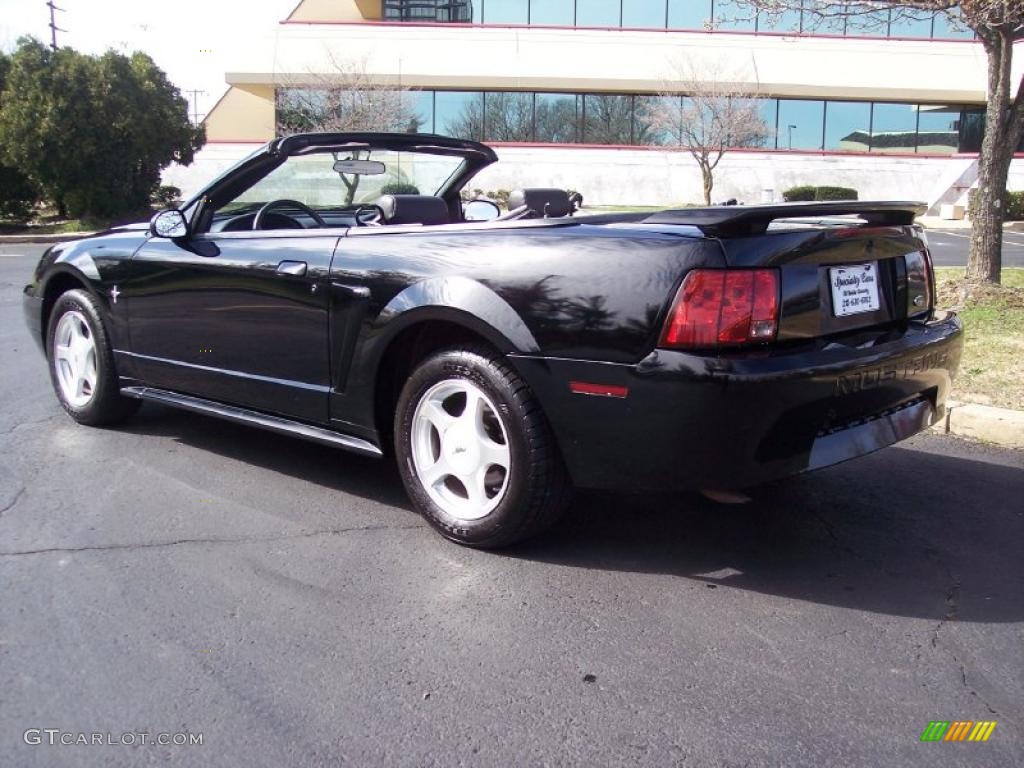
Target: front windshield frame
(407, 172)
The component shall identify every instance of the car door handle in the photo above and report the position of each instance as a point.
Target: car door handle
(355, 291)
(295, 268)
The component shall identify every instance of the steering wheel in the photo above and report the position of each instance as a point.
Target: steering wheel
(369, 215)
(257, 223)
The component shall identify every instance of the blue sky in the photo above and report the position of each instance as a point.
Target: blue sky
(192, 40)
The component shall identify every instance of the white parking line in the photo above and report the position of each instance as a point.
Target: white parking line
(946, 232)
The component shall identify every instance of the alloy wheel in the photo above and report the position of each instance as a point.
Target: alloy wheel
(460, 449)
(74, 359)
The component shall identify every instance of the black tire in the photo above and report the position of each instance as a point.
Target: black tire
(537, 489)
(106, 406)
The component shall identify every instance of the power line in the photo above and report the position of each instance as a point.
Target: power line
(54, 29)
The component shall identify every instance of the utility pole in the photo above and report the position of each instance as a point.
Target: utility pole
(54, 29)
(195, 104)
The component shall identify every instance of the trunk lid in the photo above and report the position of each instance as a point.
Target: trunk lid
(843, 267)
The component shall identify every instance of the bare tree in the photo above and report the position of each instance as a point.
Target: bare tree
(998, 24)
(345, 97)
(716, 113)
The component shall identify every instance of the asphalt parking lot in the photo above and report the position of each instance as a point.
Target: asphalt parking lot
(188, 575)
(950, 247)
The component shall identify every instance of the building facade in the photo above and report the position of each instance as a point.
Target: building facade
(565, 90)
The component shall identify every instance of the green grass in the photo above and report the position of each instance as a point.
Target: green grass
(992, 368)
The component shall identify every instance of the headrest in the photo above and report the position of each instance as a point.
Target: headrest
(413, 209)
(549, 203)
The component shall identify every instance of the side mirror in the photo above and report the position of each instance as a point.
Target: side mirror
(170, 224)
(480, 210)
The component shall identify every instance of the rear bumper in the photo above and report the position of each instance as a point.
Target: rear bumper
(690, 421)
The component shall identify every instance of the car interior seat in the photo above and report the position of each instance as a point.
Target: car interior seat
(542, 202)
(413, 209)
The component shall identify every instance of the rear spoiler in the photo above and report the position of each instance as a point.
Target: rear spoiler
(739, 220)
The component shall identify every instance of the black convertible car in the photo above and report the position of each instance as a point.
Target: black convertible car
(336, 287)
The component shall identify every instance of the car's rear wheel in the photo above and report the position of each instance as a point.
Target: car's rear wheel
(475, 452)
(82, 363)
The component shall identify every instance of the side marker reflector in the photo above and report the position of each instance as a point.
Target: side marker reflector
(599, 390)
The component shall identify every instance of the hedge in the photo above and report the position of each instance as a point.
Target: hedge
(807, 193)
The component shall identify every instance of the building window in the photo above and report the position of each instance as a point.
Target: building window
(508, 116)
(865, 20)
(597, 13)
(607, 119)
(644, 14)
(557, 118)
(910, 24)
(938, 129)
(445, 11)
(631, 119)
(847, 126)
(801, 124)
(893, 128)
(459, 114)
(507, 12)
(944, 28)
(786, 22)
(732, 16)
(689, 14)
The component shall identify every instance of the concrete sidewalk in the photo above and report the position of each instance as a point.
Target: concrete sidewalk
(1000, 426)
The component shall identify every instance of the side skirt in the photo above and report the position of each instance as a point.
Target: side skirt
(254, 418)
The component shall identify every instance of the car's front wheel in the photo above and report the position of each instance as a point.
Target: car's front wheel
(82, 363)
(475, 452)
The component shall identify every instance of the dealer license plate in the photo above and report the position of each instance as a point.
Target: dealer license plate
(854, 289)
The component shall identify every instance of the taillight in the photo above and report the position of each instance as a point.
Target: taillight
(929, 269)
(718, 307)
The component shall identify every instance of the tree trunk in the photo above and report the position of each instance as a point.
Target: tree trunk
(709, 182)
(1002, 134)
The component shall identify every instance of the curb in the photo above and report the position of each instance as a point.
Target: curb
(54, 238)
(1000, 426)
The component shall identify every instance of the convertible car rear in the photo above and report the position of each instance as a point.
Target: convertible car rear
(503, 358)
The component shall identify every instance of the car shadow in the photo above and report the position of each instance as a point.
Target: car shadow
(328, 467)
(902, 532)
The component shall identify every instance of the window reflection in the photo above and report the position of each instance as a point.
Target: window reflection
(910, 23)
(731, 15)
(643, 119)
(459, 114)
(508, 116)
(597, 13)
(557, 118)
(800, 124)
(948, 28)
(506, 12)
(938, 129)
(644, 13)
(770, 115)
(858, 19)
(658, 120)
(893, 127)
(608, 119)
(559, 13)
(787, 21)
(689, 14)
(847, 126)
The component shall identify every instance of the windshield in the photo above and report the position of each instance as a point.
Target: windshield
(312, 179)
